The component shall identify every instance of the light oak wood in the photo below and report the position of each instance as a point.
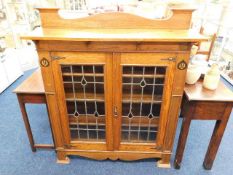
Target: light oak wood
(32, 85)
(111, 46)
(114, 41)
(117, 99)
(116, 27)
(114, 155)
(176, 97)
(32, 91)
(179, 19)
(48, 80)
(120, 35)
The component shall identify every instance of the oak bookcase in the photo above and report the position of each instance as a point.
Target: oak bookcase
(114, 82)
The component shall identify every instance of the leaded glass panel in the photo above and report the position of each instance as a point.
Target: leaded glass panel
(142, 91)
(85, 102)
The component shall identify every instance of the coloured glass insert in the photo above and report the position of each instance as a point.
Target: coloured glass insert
(84, 95)
(142, 92)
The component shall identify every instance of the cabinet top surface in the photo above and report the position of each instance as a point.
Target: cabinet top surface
(116, 26)
(149, 35)
(197, 92)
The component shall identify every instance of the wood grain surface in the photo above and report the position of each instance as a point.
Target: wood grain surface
(165, 35)
(32, 85)
(179, 18)
(197, 92)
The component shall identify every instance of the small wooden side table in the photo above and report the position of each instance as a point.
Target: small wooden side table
(203, 104)
(32, 91)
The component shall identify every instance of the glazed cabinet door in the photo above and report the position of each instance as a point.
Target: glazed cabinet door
(84, 87)
(143, 89)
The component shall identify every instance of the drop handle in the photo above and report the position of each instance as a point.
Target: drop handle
(115, 112)
(168, 59)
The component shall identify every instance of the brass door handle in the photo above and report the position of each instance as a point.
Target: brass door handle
(115, 112)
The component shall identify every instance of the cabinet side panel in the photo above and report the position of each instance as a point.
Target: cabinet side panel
(178, 87)
(177, 94)
(46, 71)
(57, 76)
(172, 123)
(166, 104)
(51, 98)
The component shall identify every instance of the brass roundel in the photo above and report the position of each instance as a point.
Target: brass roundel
(182, 65)
(44, 62)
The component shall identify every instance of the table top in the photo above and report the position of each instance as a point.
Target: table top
(32, 85)
(197, 92)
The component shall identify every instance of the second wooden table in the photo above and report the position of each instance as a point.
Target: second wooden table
(203, 104)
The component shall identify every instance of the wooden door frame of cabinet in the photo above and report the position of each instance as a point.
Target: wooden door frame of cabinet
(166, 103)
(117, 89)
(104, 59)
(51, 97)
(57, 74)
(174, 108)
(117, 99)
(108, 86)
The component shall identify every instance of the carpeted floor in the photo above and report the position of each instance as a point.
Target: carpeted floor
(16, 156)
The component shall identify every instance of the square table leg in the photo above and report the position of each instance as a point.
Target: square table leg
(26, 123)
(182, 141)
(216, 138)
(34, 99)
